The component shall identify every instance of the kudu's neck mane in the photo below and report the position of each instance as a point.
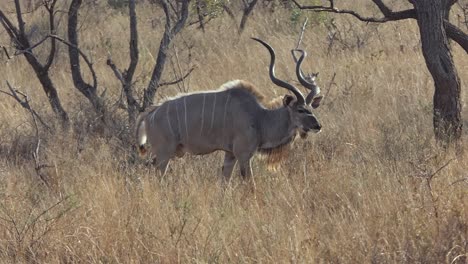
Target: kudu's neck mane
(236, 84)
(278, 133)
(276, 125)
(244, 85)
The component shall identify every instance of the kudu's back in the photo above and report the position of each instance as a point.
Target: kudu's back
(201, 123)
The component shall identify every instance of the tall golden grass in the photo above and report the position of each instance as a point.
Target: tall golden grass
(358, 192)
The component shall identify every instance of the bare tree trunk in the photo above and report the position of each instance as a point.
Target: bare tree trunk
(439, 61)
(132, 104)
(169, 33)
(435, 30)
(48, 87)
(126, 77)
(88, 90)
(22, 43)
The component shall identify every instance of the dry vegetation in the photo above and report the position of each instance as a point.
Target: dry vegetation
(356, 193)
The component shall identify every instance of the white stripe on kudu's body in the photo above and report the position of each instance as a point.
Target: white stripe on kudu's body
(213, 111)
(202, 114)
(239, 123)
(185, 115)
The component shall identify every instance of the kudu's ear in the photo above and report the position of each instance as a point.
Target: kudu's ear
(288, 99)
(316, 101)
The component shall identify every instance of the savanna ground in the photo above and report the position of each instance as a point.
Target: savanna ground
(358, 192)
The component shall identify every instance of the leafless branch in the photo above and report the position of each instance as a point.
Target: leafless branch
(453, 31)
(229, 12)
(29, 49)
(457, 35)
(245, 15)
(205, 22)
(83, 55)
(177, 80)
(330, 84)
(134, 53)
(464, 8)
(459, 180)
(8, 25)
(126, 77)
(388, 14)
(22, 43)
(428, 176)
(120, 103)
(24, 103)
(88, 90)
(50, 7)
(301, 35)
(299, 41)
(201, 18)
(441, 168)
(14, 93)
(169, 33)
(19, 17)
(38, 165)
(116, 70)
(6, 52)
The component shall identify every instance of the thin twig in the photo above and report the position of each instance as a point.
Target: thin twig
(29, 49)
(452, 31)
(85, 58)
(117, 72)
(301, 35)
(441, 168)
(332, 82)
(178, 80)
(6, 52)
(459, 180)
(24, 103)
(389, 16)
(428, 177)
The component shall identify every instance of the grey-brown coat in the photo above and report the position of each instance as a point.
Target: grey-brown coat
(232, 119)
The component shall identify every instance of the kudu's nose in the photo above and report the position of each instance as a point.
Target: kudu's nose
(318, 127)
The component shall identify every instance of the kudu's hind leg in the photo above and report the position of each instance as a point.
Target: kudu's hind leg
(228, 166)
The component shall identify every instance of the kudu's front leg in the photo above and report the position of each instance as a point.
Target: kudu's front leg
(247, 175)
(161, 165)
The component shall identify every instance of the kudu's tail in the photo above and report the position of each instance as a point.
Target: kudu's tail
(141, 133)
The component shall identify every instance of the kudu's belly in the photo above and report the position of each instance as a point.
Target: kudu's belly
(203, 145)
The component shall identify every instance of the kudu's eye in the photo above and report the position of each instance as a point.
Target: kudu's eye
(303, 111)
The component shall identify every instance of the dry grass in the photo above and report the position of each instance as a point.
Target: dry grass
(351, 194)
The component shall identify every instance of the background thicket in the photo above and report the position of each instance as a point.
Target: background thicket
(373, 186)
